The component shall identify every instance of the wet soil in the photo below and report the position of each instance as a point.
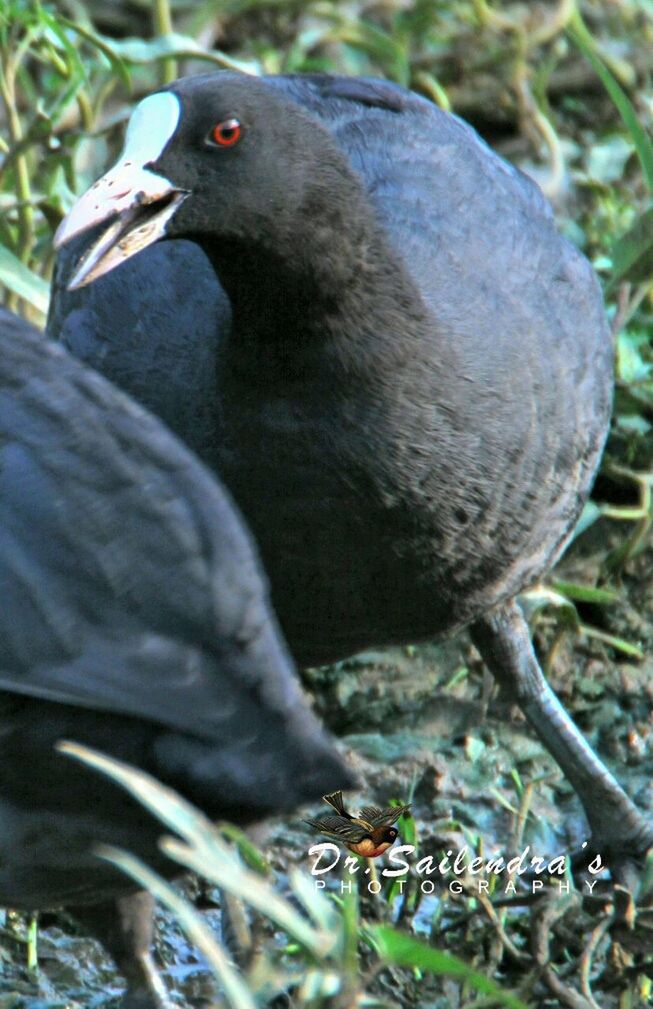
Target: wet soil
(426, 724)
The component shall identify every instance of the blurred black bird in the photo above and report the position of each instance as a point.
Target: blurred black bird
(380, 341)
(134, 619)
(369, 834)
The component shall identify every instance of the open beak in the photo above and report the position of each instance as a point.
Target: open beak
(137, 203)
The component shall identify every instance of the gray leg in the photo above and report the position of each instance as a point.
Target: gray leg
(125, 927)
(236, 931)
(618, 827)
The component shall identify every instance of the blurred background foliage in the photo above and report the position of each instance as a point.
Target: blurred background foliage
(563, 89)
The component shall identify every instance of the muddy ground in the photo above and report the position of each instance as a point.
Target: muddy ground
(426, 724)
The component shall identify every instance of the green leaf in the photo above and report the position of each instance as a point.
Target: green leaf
(55, 27)
(606, 159)
(103, 46)
(632, 253)
(619, 644)
(586, 593)
(407, 826)
(350, 923)
(431, 86)
(635, 357)
(377, 44)
(18, 278)
(402, 950)
(249, 853)
(539, 598)
(143, 51)
(579, 34)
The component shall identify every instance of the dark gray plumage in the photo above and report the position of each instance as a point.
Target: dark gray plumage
(414, 392)
(134, 619)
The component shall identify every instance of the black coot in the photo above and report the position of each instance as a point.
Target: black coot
(134, 619)
(412, 396)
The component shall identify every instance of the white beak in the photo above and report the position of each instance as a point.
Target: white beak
(139, 203)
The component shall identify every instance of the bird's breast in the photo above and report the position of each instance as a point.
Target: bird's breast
(396, 507)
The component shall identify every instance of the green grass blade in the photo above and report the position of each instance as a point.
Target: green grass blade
(205, 852)
(402, 950)
(632, 252)
(103, 46)
(207, 862)
(165, 804)
(320, 910)
(582, 38)
(17, 277)
(619, 644)
(144, 51)
(586, 593)
(236, 991)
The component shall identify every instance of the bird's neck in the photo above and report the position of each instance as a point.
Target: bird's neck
(336, 283)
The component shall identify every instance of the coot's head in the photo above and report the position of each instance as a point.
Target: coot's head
(222, 154)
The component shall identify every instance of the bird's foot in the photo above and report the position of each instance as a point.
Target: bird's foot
(627, 856)
(149, 992)
(125, 928)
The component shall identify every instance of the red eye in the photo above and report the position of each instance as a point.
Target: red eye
(227, 133)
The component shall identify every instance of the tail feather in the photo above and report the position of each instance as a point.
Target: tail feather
(335, 800)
